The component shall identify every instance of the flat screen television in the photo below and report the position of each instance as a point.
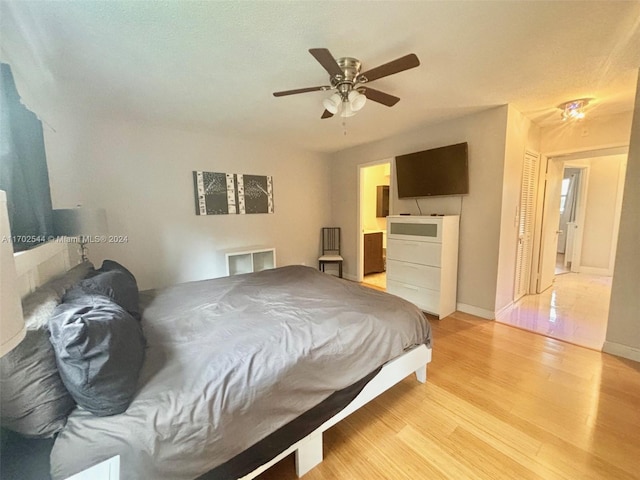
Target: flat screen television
(439, 171)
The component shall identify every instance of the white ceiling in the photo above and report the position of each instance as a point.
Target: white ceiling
(214, 65)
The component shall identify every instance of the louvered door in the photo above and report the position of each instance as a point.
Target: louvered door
(525, 224)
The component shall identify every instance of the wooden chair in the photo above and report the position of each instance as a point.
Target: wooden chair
(331, 249)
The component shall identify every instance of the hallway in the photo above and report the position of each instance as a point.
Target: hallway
(574, 309)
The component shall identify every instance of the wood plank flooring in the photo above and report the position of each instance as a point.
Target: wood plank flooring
(499, 403)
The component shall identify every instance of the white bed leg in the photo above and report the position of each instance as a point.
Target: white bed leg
(309, 454)
(421, 374)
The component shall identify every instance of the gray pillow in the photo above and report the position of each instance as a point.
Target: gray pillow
(33, 399)
(118, 285)
(111, 265)
(99, 350)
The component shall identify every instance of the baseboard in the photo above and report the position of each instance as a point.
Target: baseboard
(595, 271)
(348, 276)
(620, 350)
(504, 310)
(478, 312)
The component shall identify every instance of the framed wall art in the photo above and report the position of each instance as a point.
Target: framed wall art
(232, 193)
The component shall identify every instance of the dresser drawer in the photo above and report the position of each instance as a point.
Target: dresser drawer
(414, 274)
(424, 253)
(423, 298)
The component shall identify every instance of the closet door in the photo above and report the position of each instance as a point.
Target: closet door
(525, 224)
(550, 223)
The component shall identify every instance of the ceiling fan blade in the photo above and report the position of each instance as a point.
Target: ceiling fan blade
(326, 114)
(380, 97)
(395, 66)
(299, 90)
(324, 57)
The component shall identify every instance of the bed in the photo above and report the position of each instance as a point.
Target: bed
(241, 371)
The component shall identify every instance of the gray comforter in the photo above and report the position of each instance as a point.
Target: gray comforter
(231, 360)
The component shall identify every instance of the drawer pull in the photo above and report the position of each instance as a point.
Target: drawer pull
(410, 287)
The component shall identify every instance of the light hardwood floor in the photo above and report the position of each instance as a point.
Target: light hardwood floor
(574, 309)
(499, 403)
(376, 280)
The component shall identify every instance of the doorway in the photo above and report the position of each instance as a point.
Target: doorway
(374, 205)
(591, 239)
(571, 209)
(581, 199)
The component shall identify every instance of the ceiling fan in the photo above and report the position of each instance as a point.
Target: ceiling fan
(350, 85)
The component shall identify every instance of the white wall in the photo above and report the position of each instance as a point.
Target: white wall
(521, 135)
(142, 176)
(588, 134)
(601, 216)
(481, 209)
(623, 329)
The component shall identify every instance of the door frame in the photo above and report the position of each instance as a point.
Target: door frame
(360, 208)
(581, 211)
(569, 155)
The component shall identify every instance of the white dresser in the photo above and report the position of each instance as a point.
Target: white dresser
(422, 261)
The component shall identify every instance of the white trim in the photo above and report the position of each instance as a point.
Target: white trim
(590, 152)
(506, 309)
(477, 311)
(620, 350)
(617, 214)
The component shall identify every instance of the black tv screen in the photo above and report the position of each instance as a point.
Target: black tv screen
(439, 171)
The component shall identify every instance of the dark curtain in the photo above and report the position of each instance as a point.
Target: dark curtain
(23, 168)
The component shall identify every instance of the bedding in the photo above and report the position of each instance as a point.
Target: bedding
(99, 352)
(113, 281)
(230, 361)
(33, 400)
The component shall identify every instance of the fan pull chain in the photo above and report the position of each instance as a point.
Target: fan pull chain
(344, 126)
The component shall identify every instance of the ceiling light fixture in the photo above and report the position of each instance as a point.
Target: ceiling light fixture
(333, 103)
(348, 85)
(345, 103)
(573, 109)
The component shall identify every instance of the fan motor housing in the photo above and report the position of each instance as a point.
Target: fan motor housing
(351, 68)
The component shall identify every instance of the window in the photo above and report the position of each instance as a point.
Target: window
(563, 193)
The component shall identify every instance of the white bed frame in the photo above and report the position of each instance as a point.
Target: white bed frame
(34, 267)
(309, 449)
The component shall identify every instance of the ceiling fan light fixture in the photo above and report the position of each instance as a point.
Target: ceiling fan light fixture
(356, 100)
(573, 109)
(348, 95)
(332, 104)
(347, 110)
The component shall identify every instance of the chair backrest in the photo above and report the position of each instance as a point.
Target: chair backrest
(331, 240)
